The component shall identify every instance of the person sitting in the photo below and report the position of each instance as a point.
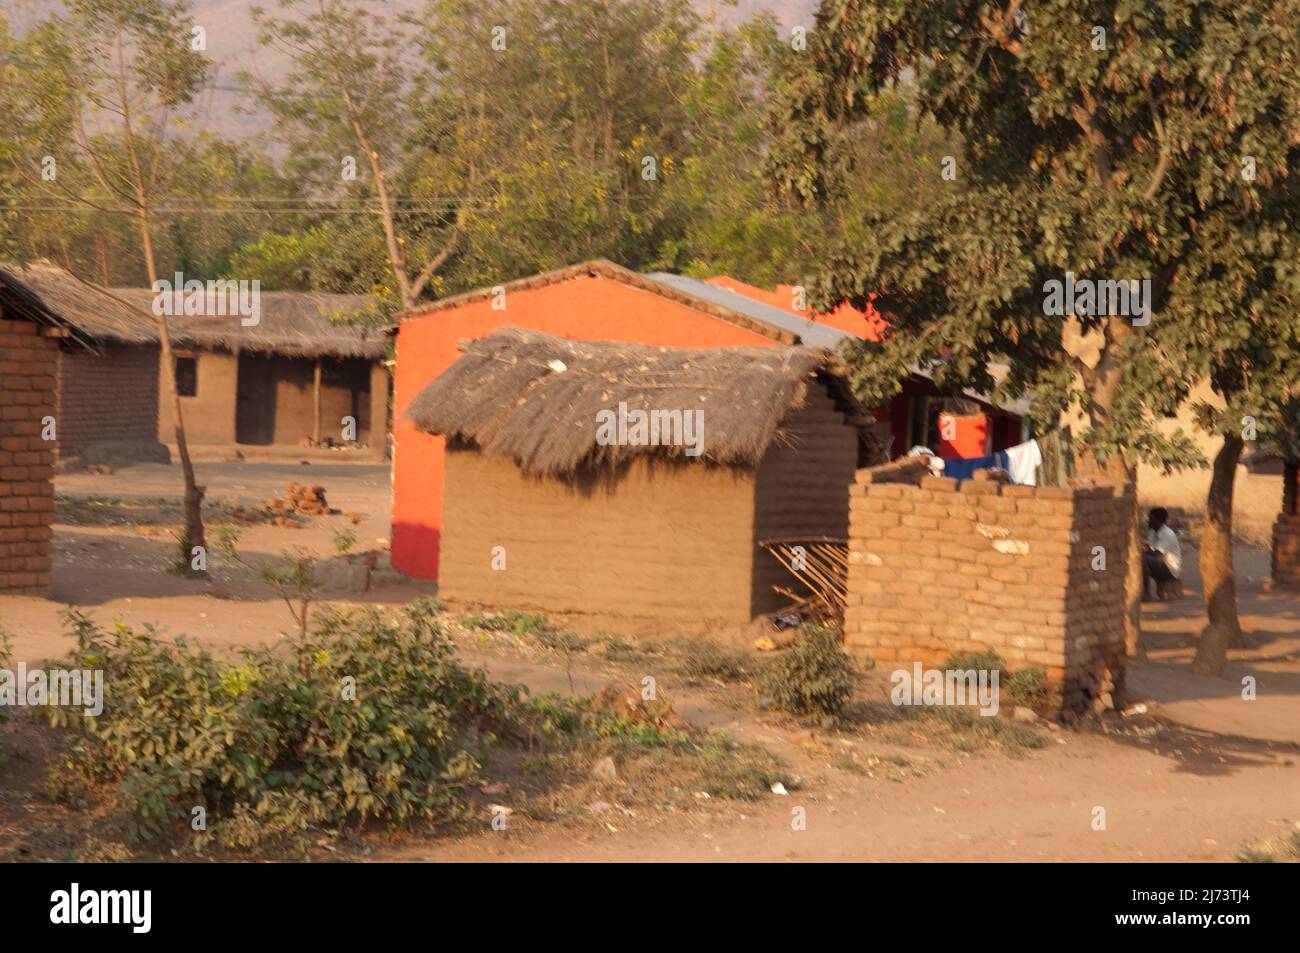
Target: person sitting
(1162, 556)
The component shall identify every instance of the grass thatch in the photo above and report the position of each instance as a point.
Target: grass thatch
(294, 323)
(508, 396)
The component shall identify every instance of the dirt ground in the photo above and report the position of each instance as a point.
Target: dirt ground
(1201, 775)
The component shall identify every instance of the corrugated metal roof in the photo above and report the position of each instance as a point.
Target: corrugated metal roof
(810, 332)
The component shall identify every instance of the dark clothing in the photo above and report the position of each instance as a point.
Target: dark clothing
(1155, 567)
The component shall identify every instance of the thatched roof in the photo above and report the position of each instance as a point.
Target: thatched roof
(535, 398)
(24, 293)
(292, 323)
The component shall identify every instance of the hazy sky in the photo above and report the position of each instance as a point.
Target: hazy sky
(232, 41)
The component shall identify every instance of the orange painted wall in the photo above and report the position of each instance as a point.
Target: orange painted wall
(865, 324)
(586, 308)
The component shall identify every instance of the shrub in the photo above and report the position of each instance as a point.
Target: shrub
(812, 677)
(363, 718)
(702, 660)
(1024, 687)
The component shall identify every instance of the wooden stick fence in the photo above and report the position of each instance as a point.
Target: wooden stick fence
(821, 564)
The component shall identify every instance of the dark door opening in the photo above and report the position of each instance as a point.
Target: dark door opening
(255, 401)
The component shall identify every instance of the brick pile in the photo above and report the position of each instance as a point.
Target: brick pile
(939, 568)
(28, 364)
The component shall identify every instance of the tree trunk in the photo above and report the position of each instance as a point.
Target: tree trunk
(194, 534)
(1124, 479)
(1217, 577)
(1103, 380)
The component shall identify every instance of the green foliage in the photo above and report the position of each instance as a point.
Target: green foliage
(715, 763)
(1121, 163)
(344, 540)
(277, 741)
(814, 676)
(1025, 686)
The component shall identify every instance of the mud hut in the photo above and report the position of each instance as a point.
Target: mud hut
(30, 334)
(288, 379)
(634, 480)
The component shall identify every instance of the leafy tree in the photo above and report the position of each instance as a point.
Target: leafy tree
(346, 104)
(1096, 138)
(96, 100)
(574, 125)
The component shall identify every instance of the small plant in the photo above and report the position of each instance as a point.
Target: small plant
(812, 677)
(702, 661)
(1027, 686)
(535, 624)
(292, 575)
(968, 730)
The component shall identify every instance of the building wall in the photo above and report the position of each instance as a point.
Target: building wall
(380, 389)
(28, 368)
(108, 404)
(210, 414)
(664, 539)
(589, 308)
(1256, 498)
(801, 485)
(345, 392)
(939, 568)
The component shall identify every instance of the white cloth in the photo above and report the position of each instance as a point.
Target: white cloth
(1165, 542)
(1023, 462)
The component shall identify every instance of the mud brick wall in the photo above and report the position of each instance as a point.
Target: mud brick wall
(939, 567)
(673, 541)
(1286, 551)
(28, 363)
(108, 404)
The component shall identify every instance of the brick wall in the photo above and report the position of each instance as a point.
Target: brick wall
(27, 371)
(1286, 551)
(940, 568)
(108, 405)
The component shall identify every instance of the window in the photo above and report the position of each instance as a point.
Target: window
(187, 376)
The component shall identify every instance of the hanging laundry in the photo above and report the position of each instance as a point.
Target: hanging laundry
(964, 468)
(1024, 460)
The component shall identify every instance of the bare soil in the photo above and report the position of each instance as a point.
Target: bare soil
(1201, 774)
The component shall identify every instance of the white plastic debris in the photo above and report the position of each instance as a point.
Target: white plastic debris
(779, 788)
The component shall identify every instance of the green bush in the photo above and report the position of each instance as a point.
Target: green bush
(812, 677)
(362, 718)
(1024, 687)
